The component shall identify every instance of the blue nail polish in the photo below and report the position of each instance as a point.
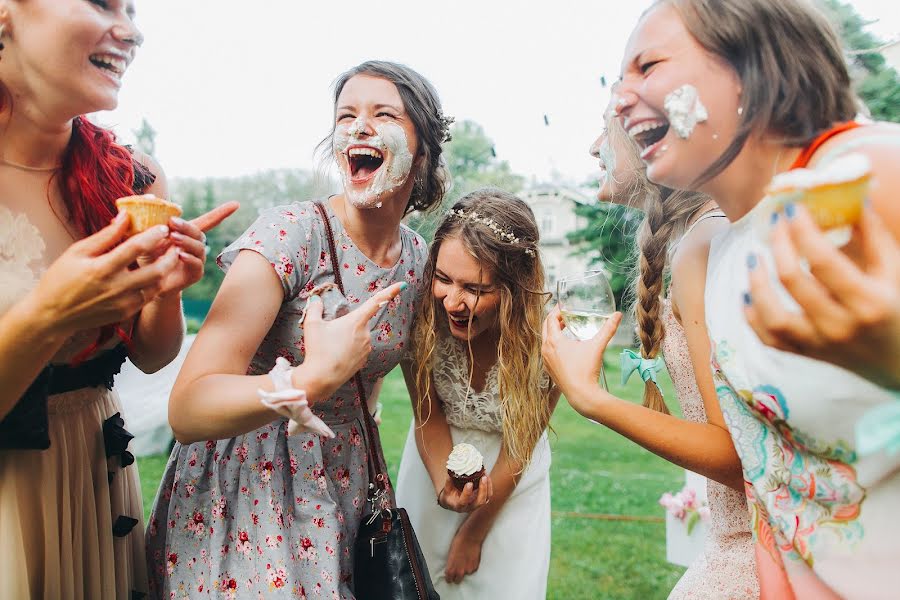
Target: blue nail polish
(747, 299)
(315, 298)
(790, 210)
(751, 261)
(774, 218)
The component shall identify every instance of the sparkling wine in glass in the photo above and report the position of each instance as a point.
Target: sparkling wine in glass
(586, 301)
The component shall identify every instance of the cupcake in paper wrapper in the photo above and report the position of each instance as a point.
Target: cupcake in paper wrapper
(147, 211)
(834, 194)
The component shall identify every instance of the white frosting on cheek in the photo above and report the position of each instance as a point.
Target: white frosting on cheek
(341, 139)
(391, 140)
(400, 163)
(685, 110)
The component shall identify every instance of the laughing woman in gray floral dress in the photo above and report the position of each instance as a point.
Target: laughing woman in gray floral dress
(259, 513)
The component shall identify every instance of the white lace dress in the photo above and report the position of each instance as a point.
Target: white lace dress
(515, 556)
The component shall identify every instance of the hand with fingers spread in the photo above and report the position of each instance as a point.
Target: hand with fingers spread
(574, 365)
(340, 346)
(467, 499)
(90, 284)
(848, 314)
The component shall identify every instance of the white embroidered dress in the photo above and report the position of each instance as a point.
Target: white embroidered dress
(829, 513)
(515, 556)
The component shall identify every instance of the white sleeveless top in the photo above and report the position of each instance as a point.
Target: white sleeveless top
(833, 514)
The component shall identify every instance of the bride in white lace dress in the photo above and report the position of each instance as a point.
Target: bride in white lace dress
(479, 378)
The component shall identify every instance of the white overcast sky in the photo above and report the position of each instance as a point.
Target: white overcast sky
(235, 87)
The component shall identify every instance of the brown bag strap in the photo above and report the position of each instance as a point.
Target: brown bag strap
(379, 480)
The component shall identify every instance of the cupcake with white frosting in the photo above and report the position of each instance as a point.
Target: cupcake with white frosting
(833, 193)
(465, 464)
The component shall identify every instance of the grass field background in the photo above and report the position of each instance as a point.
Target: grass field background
(595, 472)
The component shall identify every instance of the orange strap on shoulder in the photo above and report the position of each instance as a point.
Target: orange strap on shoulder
(808, 152)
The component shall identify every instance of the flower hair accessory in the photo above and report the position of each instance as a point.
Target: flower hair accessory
(504, 234)
(446, 122)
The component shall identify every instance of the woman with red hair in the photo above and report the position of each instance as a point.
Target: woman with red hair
(71, 293)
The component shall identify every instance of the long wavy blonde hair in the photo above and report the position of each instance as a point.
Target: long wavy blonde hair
(519, 278)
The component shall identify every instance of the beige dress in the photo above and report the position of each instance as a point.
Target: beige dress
(726, 568)
(58, 506)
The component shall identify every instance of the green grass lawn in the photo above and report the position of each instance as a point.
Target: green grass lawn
(595, 471)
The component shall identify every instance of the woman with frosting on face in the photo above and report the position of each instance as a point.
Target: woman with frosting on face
(711, 96)
(77, 295)
(253, 502)
(674, 241)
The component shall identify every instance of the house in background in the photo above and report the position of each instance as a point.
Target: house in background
(554, 209)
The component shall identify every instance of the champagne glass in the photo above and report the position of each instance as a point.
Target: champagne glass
(586, 301)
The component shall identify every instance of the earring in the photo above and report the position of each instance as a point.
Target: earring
(740, 110)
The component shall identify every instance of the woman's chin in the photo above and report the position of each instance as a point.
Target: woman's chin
(604, 194)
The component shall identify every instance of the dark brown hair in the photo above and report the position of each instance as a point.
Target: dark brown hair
(794, 81)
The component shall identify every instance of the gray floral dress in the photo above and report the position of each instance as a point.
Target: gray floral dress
(263, 515)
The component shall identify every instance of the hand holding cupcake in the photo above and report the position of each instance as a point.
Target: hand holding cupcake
(468, 486)
(186, 238)
(845, 306)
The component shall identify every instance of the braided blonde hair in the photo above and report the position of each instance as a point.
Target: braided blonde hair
(667, 214)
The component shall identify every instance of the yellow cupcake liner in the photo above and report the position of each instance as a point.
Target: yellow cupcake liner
(147, 212)
(836, 205)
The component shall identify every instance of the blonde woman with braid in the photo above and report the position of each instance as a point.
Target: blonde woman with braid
(477, 378)
(673, 239)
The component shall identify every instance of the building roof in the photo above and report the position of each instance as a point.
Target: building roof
(550, 190)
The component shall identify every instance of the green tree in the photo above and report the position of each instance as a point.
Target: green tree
(876, 82)
(255, 193)
(608, 241)
(145, 138)
(472, 163)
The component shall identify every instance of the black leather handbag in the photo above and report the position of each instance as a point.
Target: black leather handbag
(387, 561)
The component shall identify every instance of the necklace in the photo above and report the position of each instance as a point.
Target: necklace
(31, 169)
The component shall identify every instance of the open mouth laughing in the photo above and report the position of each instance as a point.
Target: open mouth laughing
(364, 162)
(114, 65)
(460, 322)
(649, 134)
